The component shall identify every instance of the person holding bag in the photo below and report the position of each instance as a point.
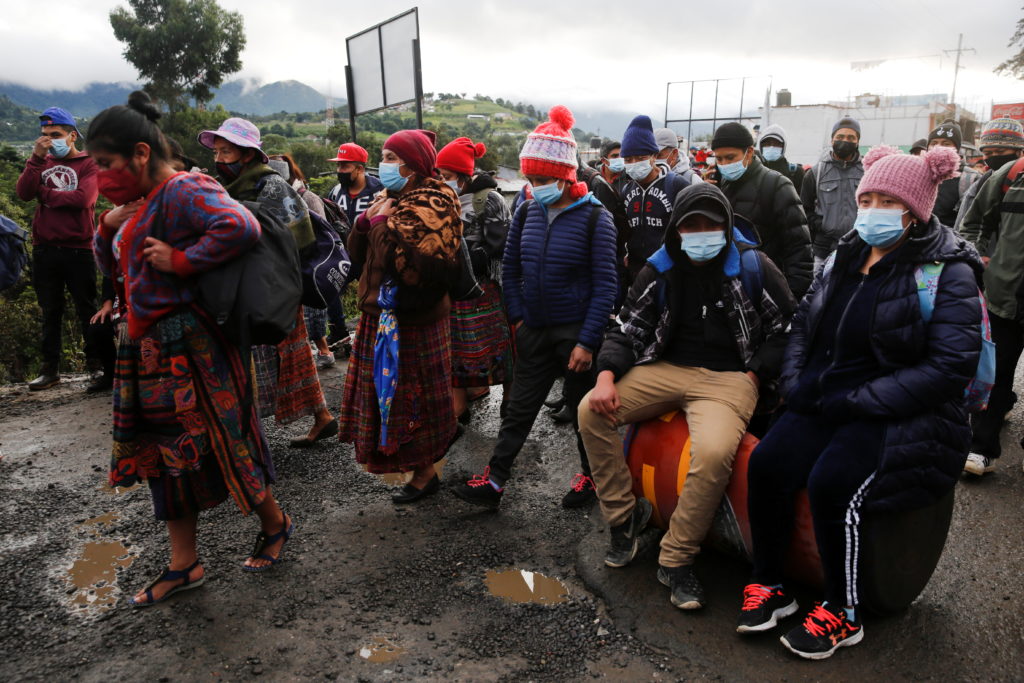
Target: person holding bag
(183, 405)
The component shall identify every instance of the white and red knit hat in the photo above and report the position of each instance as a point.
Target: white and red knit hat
(550, 150)
(914, 180)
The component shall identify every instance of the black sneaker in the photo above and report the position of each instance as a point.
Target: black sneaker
(563, 415)
(479, 491)
(625, 537)
(100, 381)
(763, 606)
(581, 492)
(554, 404)
(687, 593)
(822, 632)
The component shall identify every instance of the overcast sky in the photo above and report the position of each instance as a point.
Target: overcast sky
(607, 54)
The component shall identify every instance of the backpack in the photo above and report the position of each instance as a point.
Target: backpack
(1011, 177)
(13, 253)
(979, 389)
(254, 298)
(327, 268)
(337, 218)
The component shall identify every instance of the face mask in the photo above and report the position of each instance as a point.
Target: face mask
(119, 185)
(844, 148)
(547, 194)
(59, 148)
(879, 227)
(454, 184)
(771, 153)
(390, 176)
(733, 171)
(345, 180)
(702, 246)
(617, 165)
(997, 162)
(639, 170)
(229, 171)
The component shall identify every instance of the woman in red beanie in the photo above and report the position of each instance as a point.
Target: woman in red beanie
(481, 350)
(397, 404)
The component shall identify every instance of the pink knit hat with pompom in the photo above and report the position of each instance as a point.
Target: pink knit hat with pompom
(550, 150)
(914, 180)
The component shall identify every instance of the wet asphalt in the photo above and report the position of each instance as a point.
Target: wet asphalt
(371, 591)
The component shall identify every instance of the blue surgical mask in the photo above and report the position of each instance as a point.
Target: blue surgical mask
(702, 246)
(454, 184)
(733, 171)
(390, 176)
(638, 170)
(547, 194)
(617, 165)
(59, 148)
(771, 153)
(879, 227)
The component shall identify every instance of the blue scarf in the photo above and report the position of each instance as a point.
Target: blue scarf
(385, 357)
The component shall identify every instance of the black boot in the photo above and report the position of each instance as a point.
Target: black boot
(47, 378)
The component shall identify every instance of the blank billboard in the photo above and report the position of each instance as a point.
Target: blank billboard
(382, 63)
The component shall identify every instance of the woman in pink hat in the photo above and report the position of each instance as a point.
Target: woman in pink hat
(882, 349)
(288, 385)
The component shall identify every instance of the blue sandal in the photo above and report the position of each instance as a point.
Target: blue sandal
(170, 575)
(262, 541)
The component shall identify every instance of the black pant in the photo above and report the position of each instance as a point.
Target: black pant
(1008, 336)
(100, 336)
(53, 269)
(836, 464)
(542, 355)
(336, 316)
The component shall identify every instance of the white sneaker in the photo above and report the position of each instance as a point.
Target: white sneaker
(324, 360)
(978, 464)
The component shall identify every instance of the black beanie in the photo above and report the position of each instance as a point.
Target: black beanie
(947, 130)
(847, 122)
(732, 134)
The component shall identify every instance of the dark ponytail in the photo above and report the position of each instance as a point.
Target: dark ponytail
(117, 129)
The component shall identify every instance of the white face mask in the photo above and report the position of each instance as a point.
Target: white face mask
(454, 184)
(639, 170)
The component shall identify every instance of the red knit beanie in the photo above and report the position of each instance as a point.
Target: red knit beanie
(416, 149)
(460, 155)
(914, 180)
(550, 150)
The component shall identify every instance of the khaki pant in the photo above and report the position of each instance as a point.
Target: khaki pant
(718, 406)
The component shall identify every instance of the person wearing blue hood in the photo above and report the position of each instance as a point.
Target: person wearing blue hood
(702, 330)
(648, 191)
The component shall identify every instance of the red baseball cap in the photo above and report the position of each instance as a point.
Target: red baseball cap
(350, 151)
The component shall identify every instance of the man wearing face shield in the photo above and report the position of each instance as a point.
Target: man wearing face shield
(829, 189)
(62, 180)
(648, 191)
(768, 200)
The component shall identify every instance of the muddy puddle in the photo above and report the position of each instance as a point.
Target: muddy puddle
(522, 586)
(92, 579)
(402, 478)
(381, 649)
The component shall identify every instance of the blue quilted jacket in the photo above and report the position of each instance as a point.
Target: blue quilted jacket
(562, 273)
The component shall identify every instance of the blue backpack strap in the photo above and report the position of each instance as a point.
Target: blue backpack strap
(751, 275)
(927, 276)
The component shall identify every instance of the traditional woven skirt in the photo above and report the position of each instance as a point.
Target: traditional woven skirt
(184, 418)
(287, 384)
(316, 322)
(422, 421)
(481, 348)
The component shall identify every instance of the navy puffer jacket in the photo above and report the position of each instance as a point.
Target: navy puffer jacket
(563, 273)
(927, 366)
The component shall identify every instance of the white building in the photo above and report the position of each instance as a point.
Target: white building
(897, 121)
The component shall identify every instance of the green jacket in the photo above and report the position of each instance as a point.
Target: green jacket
(995, 224)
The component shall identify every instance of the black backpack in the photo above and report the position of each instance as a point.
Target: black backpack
(327, 268)
(255, 297)
(13, 253)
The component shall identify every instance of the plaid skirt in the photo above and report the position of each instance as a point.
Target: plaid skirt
(422, 421)
(184, 418)
(316, 322)
(287, 384)
(481, 348)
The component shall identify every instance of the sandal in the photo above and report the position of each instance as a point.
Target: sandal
(327, 431)
(170, 575)
(263, 540)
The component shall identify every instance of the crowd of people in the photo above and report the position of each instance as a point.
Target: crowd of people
(833, 311)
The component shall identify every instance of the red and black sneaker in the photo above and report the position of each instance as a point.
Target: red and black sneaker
(763, 606)
(581, 492)
(480, 490)
(824, 630)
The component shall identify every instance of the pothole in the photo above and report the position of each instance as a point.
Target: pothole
(381, 649)
(522, 586)
(92, 578)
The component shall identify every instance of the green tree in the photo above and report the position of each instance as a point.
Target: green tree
(1014, 66)
(183, 48)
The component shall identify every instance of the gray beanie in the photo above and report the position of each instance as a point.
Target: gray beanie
(847, 122)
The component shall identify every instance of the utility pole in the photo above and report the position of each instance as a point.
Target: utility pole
(960, 49)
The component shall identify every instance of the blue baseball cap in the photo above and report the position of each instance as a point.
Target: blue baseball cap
(55, 116)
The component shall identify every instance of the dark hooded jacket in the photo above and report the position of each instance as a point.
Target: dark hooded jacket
(793, 171)
(769, 200)
(917, 388)
(485, 219)
(643, 328)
